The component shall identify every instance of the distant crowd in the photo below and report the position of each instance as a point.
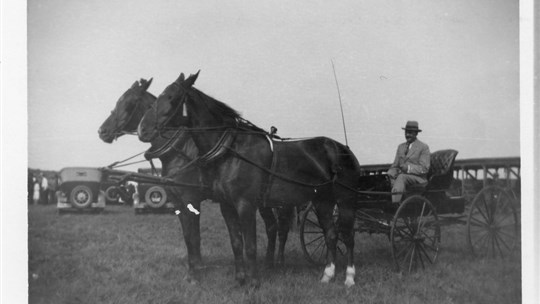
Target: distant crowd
(40, 188)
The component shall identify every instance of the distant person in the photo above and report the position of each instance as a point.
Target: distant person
(31, 180)
(36, 191)
(411, 164)
(44, 190)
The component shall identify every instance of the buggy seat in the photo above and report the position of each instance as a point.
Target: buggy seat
(440, 173)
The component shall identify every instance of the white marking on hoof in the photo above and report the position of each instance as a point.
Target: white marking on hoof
(192, 209)
(177, 212)
(329, 273)
(349, 280)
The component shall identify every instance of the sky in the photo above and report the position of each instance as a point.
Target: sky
(453, 66)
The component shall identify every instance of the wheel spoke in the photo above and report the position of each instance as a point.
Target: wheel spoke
(403, 249)
(316, 224)
(482, 239)
(499, 241)
(313, 232)
(315, 239)
(484, 215)
(323, 252)
(419, 217)
(478, 223)
(412, 258)
(423, 249)
(419, 255)
(504, 233)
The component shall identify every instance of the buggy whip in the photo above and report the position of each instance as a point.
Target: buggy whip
(340, 104)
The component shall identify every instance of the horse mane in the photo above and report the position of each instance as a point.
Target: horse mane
(217, 107)
(150, 95)
(223, 110)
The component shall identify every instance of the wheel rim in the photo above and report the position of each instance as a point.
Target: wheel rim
(156, 197)
(81, 196)
(415, 235)
(112, 193)
(493, 227)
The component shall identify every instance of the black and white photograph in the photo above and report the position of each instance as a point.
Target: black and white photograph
(209, 151)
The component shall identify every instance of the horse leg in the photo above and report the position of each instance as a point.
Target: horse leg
(235, 234)
(285, 215)
(191, 232)
(346, 228)
(271, 226)
(247, 213)
(326, 219)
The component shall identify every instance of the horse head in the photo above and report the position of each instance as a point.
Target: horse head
(128, 111)
(169, 110)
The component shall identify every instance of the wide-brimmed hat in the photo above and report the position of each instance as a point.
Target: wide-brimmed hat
(412, 126)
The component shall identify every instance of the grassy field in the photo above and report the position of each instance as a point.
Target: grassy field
(117, 257)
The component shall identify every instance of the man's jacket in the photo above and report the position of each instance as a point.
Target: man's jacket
(416, 160)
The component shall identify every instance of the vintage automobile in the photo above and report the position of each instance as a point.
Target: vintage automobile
(79, 189)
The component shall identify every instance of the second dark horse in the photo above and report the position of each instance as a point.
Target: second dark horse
(175, 159)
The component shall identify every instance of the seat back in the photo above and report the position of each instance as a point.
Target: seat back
(441, 172)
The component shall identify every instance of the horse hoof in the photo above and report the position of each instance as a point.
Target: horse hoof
(325, 280)
(349, 283)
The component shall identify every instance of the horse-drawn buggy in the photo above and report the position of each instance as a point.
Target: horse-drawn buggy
(209, 151)
(414, 226)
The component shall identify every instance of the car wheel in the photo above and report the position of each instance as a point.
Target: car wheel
(156, 197)
(81, 196)
(112, 195)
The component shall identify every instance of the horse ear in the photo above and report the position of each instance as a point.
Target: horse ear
(191, 79)
(146, 83)
(135, 85)
(180, 78)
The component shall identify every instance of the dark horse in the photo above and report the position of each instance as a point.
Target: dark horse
(176, 161)
(245, 172)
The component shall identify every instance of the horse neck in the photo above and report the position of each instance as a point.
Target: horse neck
(185, 152)
(140, 108)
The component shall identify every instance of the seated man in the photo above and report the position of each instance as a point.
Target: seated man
(411, 164)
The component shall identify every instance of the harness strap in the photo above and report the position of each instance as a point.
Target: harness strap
(265, 189)
(115, 164)
(219, 148)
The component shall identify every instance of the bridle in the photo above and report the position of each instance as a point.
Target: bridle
(138, 104)
(160, 127)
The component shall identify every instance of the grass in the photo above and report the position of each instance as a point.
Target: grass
(117, 257)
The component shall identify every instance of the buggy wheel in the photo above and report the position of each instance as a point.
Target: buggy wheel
(493, 223)
(312, 237)
(415, 234)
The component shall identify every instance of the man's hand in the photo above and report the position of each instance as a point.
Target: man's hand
(404, 168)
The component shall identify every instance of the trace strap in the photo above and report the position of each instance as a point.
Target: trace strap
(116, 164)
